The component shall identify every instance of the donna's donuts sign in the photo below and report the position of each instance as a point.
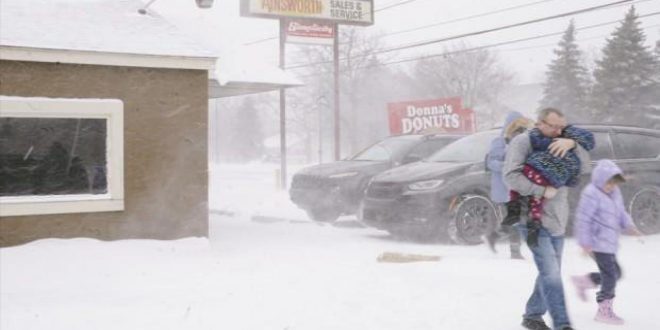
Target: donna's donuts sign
(439, 115)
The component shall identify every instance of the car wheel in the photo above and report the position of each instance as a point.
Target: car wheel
(645, 210)
(325, 214)
(474, 217)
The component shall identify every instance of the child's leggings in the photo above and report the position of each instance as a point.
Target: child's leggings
(610, 273)
(535, 203)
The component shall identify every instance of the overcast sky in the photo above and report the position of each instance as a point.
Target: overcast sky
(222, 27)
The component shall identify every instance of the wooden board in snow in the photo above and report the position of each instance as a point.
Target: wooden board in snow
(396, 257)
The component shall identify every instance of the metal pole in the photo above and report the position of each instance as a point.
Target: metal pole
(283, 180)
(335, 53)
(320, 114)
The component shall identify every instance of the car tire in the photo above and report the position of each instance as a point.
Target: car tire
(473, 217)
(323, 214)
(645, 210)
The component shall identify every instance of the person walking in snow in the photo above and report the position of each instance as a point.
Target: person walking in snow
(514, 124)
(548, 293)
(545, 169)
(601, 217)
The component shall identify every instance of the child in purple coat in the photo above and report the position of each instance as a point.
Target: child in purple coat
(601, 217)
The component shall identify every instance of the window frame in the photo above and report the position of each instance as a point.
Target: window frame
(112, 110)
(619, 148)
(610, 141)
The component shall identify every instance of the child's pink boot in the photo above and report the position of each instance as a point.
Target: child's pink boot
(605, 313)
(582, 284)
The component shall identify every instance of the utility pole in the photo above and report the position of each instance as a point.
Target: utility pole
(283, 179)
(335, 54)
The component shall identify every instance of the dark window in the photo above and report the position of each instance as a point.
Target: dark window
(637, 146)
(52, 156)
(388, 149)
(472, 148)
(426, 149)
(603, 147)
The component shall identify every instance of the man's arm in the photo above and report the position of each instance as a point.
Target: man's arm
(585, 159)
(516, 156)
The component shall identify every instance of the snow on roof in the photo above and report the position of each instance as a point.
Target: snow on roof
(239, 72)
(111, 26)
(115, 27)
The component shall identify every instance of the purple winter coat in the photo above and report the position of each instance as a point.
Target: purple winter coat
(600, 216)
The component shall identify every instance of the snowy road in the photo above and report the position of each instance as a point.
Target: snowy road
(291, 275)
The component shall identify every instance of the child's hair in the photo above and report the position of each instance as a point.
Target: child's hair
(617, 179)
(518, 126)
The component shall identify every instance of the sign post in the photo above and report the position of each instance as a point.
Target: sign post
(336, 104)
(283, 177)
(315, 12)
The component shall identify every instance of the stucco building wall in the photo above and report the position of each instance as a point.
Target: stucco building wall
(165, 150)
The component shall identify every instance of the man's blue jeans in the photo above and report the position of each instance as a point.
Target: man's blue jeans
(548, 295)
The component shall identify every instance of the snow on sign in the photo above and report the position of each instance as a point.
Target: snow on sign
(349, 12)
(439, 115)
(310, 32)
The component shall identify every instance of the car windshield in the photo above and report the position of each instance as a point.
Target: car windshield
(471, 148)
(388, 149)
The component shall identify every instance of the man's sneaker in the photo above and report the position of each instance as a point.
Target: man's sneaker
(535, 324)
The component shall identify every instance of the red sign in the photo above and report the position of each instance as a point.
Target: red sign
(310, 32)
(437, 116)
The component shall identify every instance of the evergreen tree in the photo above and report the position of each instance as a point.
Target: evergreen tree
(248, 138)
(653, 92)
(624, 76)
(567, 80)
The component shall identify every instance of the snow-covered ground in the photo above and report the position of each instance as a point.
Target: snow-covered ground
(267, 267)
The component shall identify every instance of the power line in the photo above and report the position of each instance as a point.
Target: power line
(581, 39)
(394, 5)
(505, 42)
(470, 34)
(461, 19)
(375, 11)
(490, 45)
(434, 24)
(465, 18)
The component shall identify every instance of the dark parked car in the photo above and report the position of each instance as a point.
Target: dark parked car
(327, 191)
(446, 195)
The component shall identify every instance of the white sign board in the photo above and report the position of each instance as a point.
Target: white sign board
(349, 12)
(310, 32)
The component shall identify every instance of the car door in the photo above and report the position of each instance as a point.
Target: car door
(638, 153)
(602, 150)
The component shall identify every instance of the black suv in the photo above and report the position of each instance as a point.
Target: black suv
(446, 195)
(327, 191)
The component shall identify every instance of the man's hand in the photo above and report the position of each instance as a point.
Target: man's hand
(560, 146)
(550, 192)
(586, 251)
(533, 229)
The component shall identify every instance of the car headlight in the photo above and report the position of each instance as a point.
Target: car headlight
(343, 175)
(425, 185)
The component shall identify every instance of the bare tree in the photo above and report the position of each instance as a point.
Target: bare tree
(358, 65)
(477, 76)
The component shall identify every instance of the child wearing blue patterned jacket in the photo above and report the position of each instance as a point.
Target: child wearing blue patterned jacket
(545, 169)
